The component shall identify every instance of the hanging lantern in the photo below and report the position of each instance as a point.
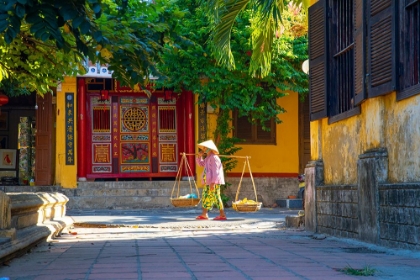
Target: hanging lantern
(104, 95)
(4, 99)
(167, 95)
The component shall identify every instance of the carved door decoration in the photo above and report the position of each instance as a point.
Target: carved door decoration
(133, 135)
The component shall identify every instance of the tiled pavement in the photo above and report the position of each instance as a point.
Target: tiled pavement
(237, 249)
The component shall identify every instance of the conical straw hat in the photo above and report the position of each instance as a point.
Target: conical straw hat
(209, 144)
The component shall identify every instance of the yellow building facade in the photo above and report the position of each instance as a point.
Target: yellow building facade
(363, 178)
(386, 121)
(279, 161)
(65, 175)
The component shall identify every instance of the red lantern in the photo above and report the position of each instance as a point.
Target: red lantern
(168, 95)
(4, 99)
(104, 95)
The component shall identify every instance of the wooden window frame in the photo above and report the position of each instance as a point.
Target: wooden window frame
(375, 68)
(318, 50)
(101, 119)
(254, 140)
(409, 46)
(341, 58)
(324, 60)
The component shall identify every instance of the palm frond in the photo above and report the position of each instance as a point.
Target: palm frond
(3, 73)
(267, 20)
(269, 9)
(228, 11)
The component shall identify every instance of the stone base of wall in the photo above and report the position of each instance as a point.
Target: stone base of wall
(268, 190)
(126, 194)
(336, 210)
(152, 194)
(372, 211)
(399, 215)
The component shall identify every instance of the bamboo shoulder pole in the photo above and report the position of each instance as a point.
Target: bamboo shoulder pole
(218, 155)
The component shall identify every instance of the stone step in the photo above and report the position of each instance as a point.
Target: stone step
(290, 203)
(128, 194)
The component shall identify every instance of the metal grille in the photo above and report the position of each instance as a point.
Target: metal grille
(412, 44)
(342, 39)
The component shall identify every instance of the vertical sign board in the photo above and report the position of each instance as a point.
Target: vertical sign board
(202, 122)
(69, 128)
(154, 139)
(115, 135)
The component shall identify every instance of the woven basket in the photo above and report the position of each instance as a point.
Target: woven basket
(185, 202)
(251, 207)
(176, 199)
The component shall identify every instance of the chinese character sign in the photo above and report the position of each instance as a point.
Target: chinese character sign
(69, 128)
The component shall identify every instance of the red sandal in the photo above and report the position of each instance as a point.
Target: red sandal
(201, 218)
(220, 218)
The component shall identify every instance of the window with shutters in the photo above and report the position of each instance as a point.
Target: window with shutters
(353, 53)
(341, 57)
(332, 59)
(253, 133)
(409, 48)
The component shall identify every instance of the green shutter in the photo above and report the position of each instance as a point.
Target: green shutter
(317, 61)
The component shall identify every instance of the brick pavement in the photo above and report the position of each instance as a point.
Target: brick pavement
(203, 250)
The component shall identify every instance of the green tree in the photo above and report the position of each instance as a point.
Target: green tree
(266, 21)
(42, 40)
(190, 65)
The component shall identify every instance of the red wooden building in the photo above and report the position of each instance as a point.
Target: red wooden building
(124, 133)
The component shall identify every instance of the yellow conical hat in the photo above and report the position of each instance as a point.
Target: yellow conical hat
(209, 144)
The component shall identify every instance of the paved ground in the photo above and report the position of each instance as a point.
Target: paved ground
(171, 244)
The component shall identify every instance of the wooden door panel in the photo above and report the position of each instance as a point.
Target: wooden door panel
(304, 135)
(43, 141)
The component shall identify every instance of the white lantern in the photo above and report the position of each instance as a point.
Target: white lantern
(305, 66)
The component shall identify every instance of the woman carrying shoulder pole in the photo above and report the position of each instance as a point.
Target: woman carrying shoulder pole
(212, 178)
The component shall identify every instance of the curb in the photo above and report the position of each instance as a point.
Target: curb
(31, 236)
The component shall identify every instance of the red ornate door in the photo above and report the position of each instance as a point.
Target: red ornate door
(132, 135)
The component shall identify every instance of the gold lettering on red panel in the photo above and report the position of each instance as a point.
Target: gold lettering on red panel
(101, 153)
(154, 130)
(167, 152)
(115, 130)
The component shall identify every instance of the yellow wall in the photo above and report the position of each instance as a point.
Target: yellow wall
(284, 156)
(383, 123)
(65, 175)
(280, 158)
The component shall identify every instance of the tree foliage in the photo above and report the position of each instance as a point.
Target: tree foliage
(42, 40)
(266, 20)
(192, 66)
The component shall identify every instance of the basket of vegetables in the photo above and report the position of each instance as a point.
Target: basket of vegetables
(246, 205)
(189, 200)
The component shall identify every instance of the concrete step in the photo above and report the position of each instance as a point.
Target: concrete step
(290, 203)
